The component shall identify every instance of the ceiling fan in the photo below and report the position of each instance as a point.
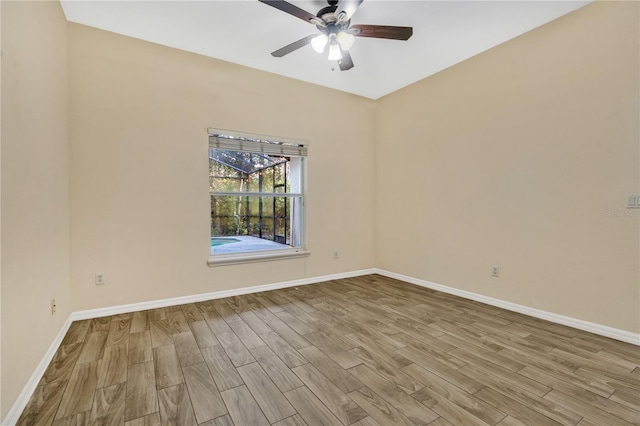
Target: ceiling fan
(336, 31)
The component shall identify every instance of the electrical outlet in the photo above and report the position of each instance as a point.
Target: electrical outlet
(53, 306)
(633, 201)
(495, 271)
(335, 254)
(100, 280)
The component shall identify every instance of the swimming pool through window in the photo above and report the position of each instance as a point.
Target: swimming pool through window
(256, 186)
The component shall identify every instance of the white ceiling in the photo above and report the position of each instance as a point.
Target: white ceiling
(245, 32)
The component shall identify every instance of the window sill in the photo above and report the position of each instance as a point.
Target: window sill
(248, 257)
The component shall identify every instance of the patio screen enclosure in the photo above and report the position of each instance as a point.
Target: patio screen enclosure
(255, 193)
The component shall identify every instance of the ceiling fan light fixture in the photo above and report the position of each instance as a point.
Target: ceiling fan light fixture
(319, 43)
(336, 31)
(334, 52)
(345, 40)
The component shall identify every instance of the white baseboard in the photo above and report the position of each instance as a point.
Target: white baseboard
(133, 307)
(602, 330)
(22, 400)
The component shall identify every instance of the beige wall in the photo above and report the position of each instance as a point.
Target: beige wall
(139, 168)
(35, 226)
(513, 158)
(1, 410)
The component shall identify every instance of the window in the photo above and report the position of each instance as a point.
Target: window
(256, 186)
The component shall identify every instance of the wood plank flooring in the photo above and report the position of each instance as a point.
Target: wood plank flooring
(366, 351)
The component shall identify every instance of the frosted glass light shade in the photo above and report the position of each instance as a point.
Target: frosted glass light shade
(345, 40)
(319, 43)
(334, 52)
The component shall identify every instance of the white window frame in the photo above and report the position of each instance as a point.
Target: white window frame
(240, 141)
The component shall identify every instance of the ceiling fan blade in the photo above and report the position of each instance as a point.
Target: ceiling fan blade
(381, 31)
(293, 46)
(345, 63)
(294, 10)
(346, 9)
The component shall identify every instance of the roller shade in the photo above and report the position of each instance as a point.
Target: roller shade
(257, 145)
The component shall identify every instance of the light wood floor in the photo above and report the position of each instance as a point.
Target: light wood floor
(362, 351)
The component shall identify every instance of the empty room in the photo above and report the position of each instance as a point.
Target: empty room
(269, 212)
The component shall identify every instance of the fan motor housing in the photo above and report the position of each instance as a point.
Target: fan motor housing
(328, 16)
